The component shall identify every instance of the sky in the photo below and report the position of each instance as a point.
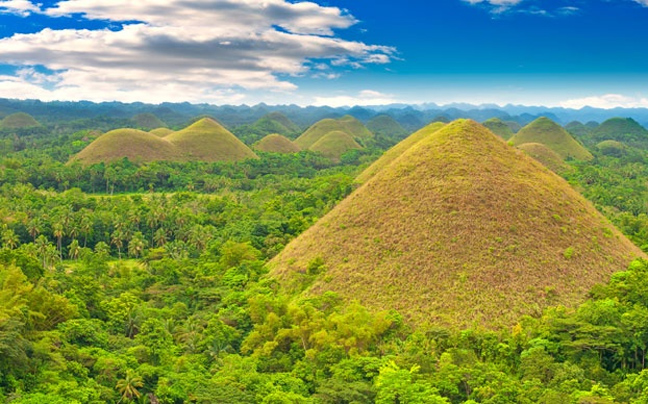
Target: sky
(327, 52)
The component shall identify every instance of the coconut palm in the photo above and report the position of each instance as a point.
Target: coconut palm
(128, 386)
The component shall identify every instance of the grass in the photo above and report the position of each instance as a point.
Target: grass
(276, 122)
(275, 143)
(147, 121)
(385, 125)
(334, 144)
(19, 120)
(460, 230)
(498, 127)
(136, 145)
(204, 140)
(392, 154)
(547, 132)
(578, 129)
(207, 140)
(161, 132)
(612, 148)
(347, 124)
(546, 156)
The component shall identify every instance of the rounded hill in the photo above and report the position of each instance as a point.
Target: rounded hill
(19, 120)
(161, 132)
(395, 152)
(498, 127)
(460, 230)
(334, 144)
(546, 156)
(147, 121)
(387, 126)
(275, 143)
(276, 122)
(347, 124)
(134, 144)
(207, 140)
(545, 131)
(625, 130)
(612, 148)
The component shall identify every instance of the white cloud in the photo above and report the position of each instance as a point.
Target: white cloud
(18, 7)
(365, 97)
(642, 2)
(188, 50)
(607, 101)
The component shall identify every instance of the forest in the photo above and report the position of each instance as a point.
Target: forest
(148, 283)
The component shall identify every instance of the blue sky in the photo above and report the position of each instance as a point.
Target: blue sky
(335, 52)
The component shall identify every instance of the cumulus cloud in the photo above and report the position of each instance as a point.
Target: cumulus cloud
(365, 97)
(18, 7)
(191, 50)
(607, 101)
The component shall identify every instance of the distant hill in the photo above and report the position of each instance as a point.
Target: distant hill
(147, 121)
(545, 131)
(612, 148)
(136, 145)
(161, 132)
(514, 126)
(207, 140)
(392, 154)
(204, 140)
(276, 122)
(346, 124)
(19, 120)
(546, 156)
(461, 230)
(334, 144)
(499, 128)
(275, 143)
(387, 126)
(578, 129)
(625, 130)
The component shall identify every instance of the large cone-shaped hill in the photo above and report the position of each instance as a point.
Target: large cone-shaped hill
(207, 140)
(346, 124)
(547, 132)
(136, 145)
(19, 120)
(392, 154)
(276, 122)
(460, 230)
(276, 143)
(334, 144)
(498, 127)
(621, 129)
(387, 126)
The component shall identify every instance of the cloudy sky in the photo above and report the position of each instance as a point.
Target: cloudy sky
(334, 52)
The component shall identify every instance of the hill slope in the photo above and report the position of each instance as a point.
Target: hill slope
(546, 156)
(161, 132)
(207, 140)
(18, 120)
(276, 122)
(547, 132)
(498, 127)
(460, 230)
(346, 124)
(334, 144)
(387, 126)
(395, 152)
(625, 130)
(276, 143)
(147, 121)
(136, 145)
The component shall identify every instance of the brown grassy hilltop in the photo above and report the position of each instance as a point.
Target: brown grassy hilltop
(275, 143)
(346, 124)
(460, 230)
(334, 144)
(547, 132)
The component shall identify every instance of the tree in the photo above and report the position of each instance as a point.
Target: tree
(10, 239)
(137, 245)
(128, 386)
(74, 249)
(58, 232)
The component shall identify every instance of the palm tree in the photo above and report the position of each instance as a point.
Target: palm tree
(137, 245)
(74, 249)
(160, 237)
(117, 239)
(85, 227)
(10, 239)
(34, 227)
(57, 230)
(128, 386)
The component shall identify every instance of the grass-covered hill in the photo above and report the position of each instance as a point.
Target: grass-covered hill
(276, 122)
(207, 140)
(161, 132)
(546, 156)
(578, 129)
(334, 144)
(134, 144)
(612, 148)
(147, 121)
(401, 147)
(625, 130)
(461, 229)
(387, 126)
(19, 120)
(276, 143)
(498, 127)
(346, 124)
(545, 131)
(204, 140)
